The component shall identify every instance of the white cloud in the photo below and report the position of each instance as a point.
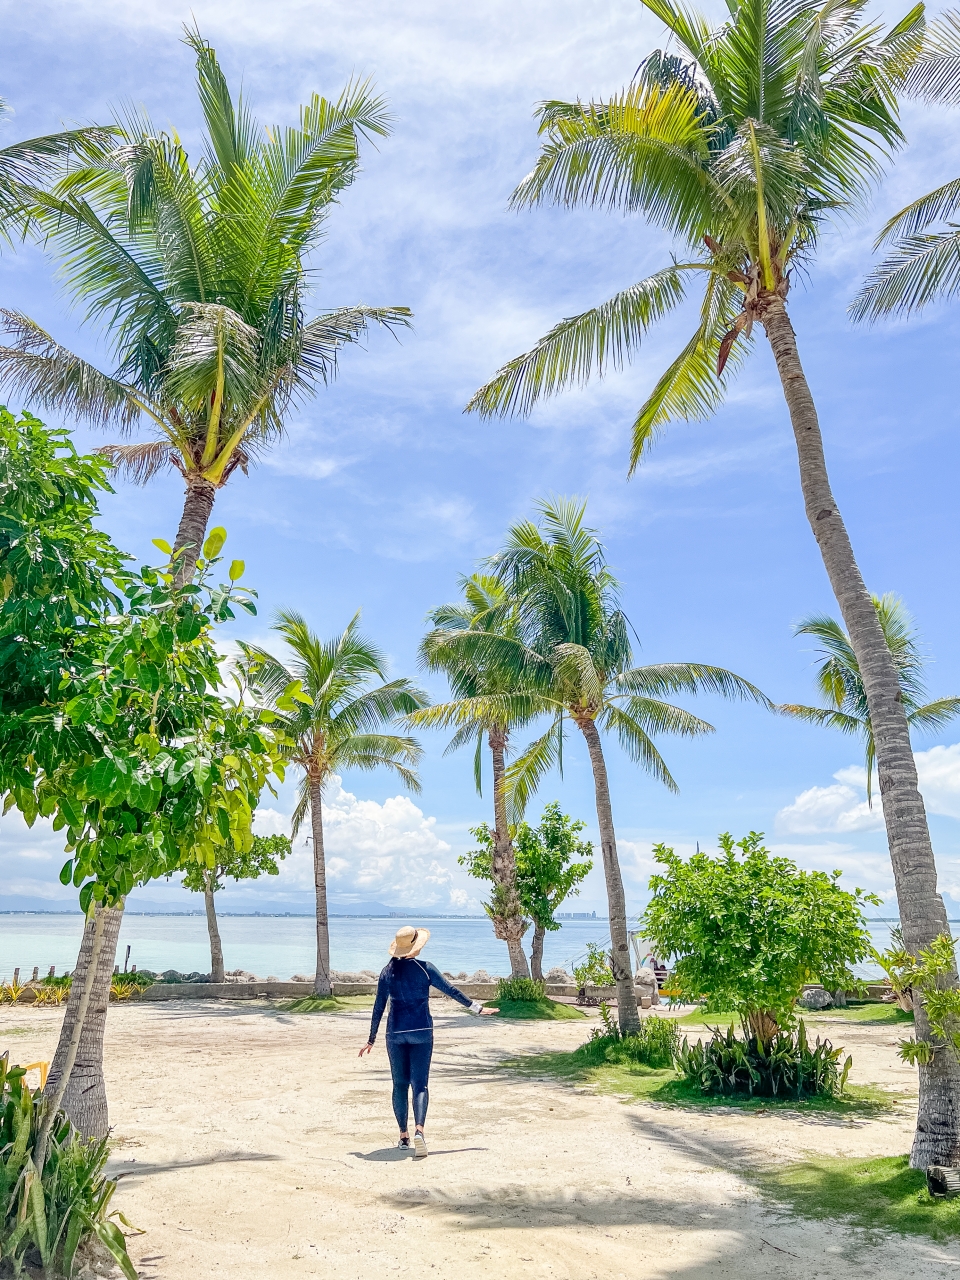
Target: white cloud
(843, 806)
(389, 851)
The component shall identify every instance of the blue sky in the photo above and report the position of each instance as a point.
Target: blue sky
(384, 491)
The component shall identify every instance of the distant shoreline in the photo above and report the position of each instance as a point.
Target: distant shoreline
(266, 915)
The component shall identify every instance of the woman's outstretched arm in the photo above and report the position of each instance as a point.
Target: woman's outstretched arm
(378, 1007)
(447, 988)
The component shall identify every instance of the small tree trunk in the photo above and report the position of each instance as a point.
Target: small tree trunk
(923, 916)
(197, 505)
(761, 1024)
(213, 929)
(536, 952)
(84, 1098)
(508, 922)
(322, 985)
(627, 1014)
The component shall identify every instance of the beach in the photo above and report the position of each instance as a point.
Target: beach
(251, 1142)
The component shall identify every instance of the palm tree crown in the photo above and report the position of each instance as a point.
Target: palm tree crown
(741, 144)
(328, 702)
(577, 653)
(841, 685)
(198, 275)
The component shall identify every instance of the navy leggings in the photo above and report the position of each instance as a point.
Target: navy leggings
(410, 1068)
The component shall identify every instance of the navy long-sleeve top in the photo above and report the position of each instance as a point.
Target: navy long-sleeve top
(406, 984)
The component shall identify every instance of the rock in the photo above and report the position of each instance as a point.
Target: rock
(816, 998)
(481, 975)
(559, 975)
(299, 977)
(645, 981)
(239, 975)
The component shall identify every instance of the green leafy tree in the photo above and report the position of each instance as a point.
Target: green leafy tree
(925, 979)
(197, 274)
(745, 930)
(546, 871)
(841, 684)
(489, 703)
(574, 648)
(744, 141)
(237, 864)
(328, 701)
(112, 720)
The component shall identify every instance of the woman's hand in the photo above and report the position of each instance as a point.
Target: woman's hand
(489, 1011)
(366, 1049)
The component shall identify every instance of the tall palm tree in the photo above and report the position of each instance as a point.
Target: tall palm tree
(198, 277)
(576, 650)
(329, 704)
(488, 610)
(923, 264)
(841, 683)
(743, 142)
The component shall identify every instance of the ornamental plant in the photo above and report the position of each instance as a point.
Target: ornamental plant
(745, 930)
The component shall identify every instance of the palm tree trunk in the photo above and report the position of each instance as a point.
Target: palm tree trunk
(923, 916)
(627, 1014)
(85, 1097)
(322, 985)
(213, 929)
(197, 505)
(536, 952)
(508, 922)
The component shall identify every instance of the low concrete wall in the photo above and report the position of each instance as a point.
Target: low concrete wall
(294, 990)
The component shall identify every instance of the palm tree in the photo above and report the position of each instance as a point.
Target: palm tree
(742, 144)
(924, 263)
(475, 677)
(576, 650)
(328, 704)
(841, 683)
(198, 277)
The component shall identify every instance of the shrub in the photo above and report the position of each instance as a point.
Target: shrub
(44, 1221)
(654, 1045)
(595, 970)
(787, 1065)
(520, 989)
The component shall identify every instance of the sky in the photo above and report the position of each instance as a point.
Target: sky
(384, 492)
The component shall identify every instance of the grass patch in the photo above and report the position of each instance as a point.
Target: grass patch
(664, 1085)
(544, 1010)
(871, 1014)
(884, 1194)
(700, 1018)
(16, 1031)
(326, 1004)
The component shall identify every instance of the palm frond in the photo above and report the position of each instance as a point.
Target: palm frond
(141, 462)
(638, 745)
(921, 269)
(689, 677)
(48, 376)
(525, 773)
(606, 336)
(824, 716)
(936, 74)
(934, 715)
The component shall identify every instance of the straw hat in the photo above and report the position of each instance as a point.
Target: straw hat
(409, 941)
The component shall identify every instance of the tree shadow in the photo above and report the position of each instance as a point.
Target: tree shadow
(118, 1171)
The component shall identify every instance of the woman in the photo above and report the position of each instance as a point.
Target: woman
(406, 981)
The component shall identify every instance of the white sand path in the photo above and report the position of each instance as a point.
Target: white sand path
(254, 1143)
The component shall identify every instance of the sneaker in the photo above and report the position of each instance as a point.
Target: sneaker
(420, 1145)
(405, 1144)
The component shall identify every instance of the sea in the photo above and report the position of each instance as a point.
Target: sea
(280, 946)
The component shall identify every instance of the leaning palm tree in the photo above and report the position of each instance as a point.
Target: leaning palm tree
(198, 276)
(487, 610)
(329, 704)
(840, 681)
(742, 142)
(923, 264)
(574, 647)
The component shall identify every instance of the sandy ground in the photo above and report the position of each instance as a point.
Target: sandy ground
(252, 1143)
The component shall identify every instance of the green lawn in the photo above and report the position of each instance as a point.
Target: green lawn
(870, 1013)
(326, 1004)
(544, 1010)
(648, 1084)
(883, 1193)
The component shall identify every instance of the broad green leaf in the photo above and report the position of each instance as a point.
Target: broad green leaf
(163, 545)
(66, 872)
(237, 568)
(103, 779)
(214, 542)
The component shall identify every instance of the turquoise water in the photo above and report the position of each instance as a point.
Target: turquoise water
(277, 946)
(280, 946)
